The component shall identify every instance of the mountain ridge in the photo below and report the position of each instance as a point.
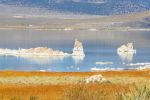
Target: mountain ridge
(91, 7)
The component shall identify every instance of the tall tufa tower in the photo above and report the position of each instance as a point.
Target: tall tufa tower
(78, 49)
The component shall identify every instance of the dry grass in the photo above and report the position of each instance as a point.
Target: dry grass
(136, 93)
(64, 86)
(40, 80)
(105, 91)
(61, 92)
(27, 92)
(134, 73)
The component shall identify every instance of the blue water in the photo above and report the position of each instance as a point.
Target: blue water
(106, 7)
(98, 46)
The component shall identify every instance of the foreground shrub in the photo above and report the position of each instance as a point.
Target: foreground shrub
(33, 98)
(16, 98)
(137, 93)
(106, 92)
(91, 92)
(79, 92)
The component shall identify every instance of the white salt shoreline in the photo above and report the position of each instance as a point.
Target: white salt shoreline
(39, 51)
(95, 69)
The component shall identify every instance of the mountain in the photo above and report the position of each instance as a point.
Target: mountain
(92, 7)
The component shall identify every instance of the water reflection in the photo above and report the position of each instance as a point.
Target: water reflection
(78, 59)
(42, 60)
(126, 57)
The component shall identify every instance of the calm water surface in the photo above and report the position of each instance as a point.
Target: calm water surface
(99, 46)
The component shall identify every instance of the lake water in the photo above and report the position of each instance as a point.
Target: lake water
(99, 46)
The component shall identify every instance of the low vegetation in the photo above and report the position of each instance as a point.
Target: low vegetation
(104, 91)
(137, 93)
(112, 92)
(118, 85)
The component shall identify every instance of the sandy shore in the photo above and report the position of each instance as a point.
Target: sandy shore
(51, 85)
(105, 23)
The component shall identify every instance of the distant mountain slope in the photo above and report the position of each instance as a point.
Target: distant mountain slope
(94, 7)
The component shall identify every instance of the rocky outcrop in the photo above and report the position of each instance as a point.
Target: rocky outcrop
(39, 51)
(78, 49)
(44, 51)
(95, 79)
(126, 48)
(126, 52)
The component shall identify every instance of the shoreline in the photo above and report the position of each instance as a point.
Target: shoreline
(50, 29)
(106, 23)
(107, 72)
(91, 71)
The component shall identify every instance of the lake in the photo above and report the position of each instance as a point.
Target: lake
(99, 46)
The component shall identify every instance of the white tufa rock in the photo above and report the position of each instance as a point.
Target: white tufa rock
(39, 51)
(78, 49)
(68, 29)
(126, 52)
(93, 29)
(95, 79)
(126, 48)
(44, 51)
(104, 63)
(18, 16)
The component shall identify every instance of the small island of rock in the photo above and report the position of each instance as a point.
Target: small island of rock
(39, 51)
(126, 48)
(44, 51)
(78, 49)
